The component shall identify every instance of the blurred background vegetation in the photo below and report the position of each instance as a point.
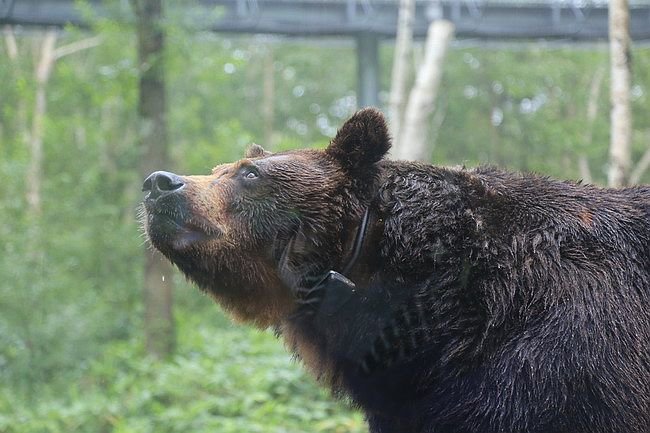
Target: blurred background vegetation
(71, 350)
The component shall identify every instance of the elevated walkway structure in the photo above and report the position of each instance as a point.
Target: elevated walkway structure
(368, 21)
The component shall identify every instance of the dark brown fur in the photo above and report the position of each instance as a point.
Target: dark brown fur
(485, 301)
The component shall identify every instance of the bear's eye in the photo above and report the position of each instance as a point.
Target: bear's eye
(251, 174)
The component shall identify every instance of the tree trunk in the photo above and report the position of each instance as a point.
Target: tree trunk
(268, 98)
(413, 139)
(400, 72)
(10, 41)
(621, 117)
(157, 292)
(21, 111)
(35, 168)
(48, 56)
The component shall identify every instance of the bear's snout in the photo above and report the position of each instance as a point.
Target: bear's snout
(161, 183)
(171, 219)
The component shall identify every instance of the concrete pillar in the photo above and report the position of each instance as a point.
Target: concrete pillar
(367, 70)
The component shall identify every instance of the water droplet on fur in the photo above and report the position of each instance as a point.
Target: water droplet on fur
(163, 278)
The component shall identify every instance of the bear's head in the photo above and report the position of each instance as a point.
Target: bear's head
(231, 230)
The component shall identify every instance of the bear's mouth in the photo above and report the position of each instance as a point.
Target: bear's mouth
(178, 232)
(189, 234)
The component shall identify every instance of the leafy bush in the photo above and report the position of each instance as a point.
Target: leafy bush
(223, 379)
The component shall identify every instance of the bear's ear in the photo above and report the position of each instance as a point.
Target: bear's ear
(362, 141)
(256, 151)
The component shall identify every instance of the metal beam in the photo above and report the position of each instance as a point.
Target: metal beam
(485, 19)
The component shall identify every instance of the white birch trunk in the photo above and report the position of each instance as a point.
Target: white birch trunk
(400, 71)
(10, 42)
(35, 168)
(48, 56)
(21, 104)
(621, 117)
(413, 138)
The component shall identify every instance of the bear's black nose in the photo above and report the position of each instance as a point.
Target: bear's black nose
(161, 183)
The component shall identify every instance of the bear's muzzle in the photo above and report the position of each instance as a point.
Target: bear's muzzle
(169, 221)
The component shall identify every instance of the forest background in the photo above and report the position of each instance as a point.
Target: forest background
(72, 356)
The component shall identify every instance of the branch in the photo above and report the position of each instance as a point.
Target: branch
(592, 112)
(594, 93)
(585, 170)
(641, 167)
(47, 56)
(10, 41)
(75, 47)
(438, 118)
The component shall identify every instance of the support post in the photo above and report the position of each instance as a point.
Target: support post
(367, 70)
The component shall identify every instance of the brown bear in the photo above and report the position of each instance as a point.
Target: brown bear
(437, 299)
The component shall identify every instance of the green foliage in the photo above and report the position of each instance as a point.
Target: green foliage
(527, 109)
(223, 379)
(71, 356)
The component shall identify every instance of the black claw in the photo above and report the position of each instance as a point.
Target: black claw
(309, 302)
(364, 367)
(385, 343)
(308, 293)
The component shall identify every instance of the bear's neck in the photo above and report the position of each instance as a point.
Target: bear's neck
(313, 336)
